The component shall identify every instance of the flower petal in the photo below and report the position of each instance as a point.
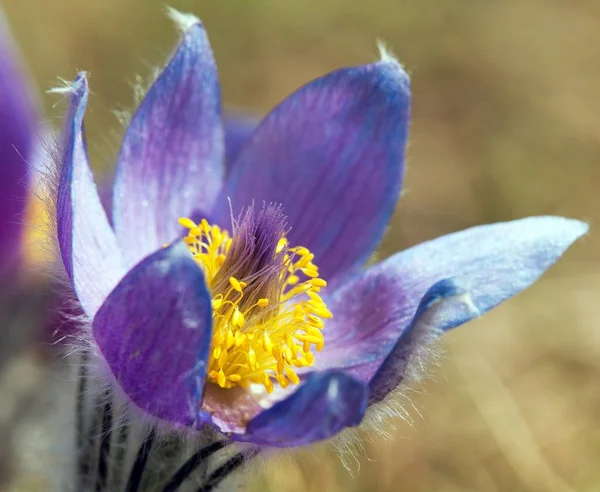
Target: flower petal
(87, 243)
(17, 133)
(324, 405)
(238, 129)
(491, 263)
(443, 303)
(155, 331)
(332, 153)
(171, 158)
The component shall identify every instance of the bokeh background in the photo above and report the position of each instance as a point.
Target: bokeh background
(505, 125)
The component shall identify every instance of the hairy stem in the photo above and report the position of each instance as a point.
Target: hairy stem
(226, 469)
(137, 470)
(82, 439)
(104, 453)
(120, 453)
(191, 464)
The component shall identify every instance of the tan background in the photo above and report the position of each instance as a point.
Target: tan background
(505, 125)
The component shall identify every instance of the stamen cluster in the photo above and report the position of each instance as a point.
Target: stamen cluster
(267, 311)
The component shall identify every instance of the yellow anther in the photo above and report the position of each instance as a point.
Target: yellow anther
(217, 352)
(309, 339)
(267, 383)
(283, 242)
(292, 376)
(315, 297)
(223, 359)
(283, 382)
(252, 344)
(187, 223)
(229, 339)
(315, 321)
(267, 344)
(301, 251)
(235, 283)
(252, 358)
(310, 272)
(304, 261)
(293, 280)
(240, 338)
(221, 379)
(322, 311)
(238, 318)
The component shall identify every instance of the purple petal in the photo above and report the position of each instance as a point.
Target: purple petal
(87, 243)
(17, 133)
(155, 331)
(439, 305)
(324, 405)
(332, 153)
(238, 129)
(171, 158)
(491, 263)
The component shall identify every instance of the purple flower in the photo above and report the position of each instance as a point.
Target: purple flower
(229, 291)
(17, 120)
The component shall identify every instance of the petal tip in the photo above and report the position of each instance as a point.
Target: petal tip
(566, 229)
(77, 87)
(182, 20)
(390, 65)
(578, 227)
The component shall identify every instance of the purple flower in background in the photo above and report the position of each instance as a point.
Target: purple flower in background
(229, 291)
(17, 120)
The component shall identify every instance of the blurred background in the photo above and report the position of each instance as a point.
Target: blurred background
(505, 125)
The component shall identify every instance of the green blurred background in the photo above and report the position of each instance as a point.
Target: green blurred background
(505, 125)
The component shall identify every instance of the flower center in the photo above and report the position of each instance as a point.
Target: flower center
(267, 313)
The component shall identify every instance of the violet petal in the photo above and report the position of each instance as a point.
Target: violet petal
(332, 154)
(155, 331)
(491, 263)
(88, 245)
(171, 157)
(444, 302)
(324, 405)
(17, 133)
(238, 129)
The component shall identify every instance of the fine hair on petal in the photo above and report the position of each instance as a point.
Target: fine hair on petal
(378, 422)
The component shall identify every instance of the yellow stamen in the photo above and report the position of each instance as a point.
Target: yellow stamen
(259, 338)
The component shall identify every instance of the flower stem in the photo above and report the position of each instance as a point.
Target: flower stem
(107, 418)
(82, 439)
(191, 464)
(225, 470)
(137, 470)
(120, 454)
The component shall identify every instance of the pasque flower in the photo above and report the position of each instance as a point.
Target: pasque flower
(17, 133)
(231, 291)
